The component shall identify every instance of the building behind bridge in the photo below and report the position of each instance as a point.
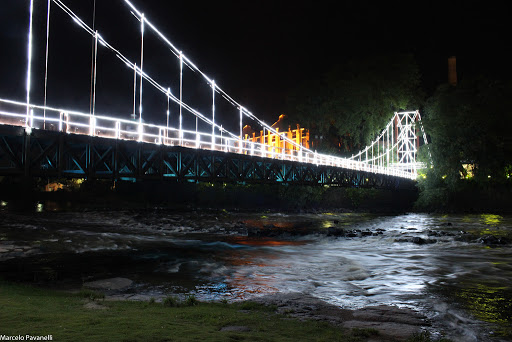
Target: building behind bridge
(299, 135)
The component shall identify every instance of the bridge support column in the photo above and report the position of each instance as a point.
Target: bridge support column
(26, 154)
(60, 152)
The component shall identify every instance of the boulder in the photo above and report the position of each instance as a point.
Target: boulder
(490, 240)
(420, 241)
(334, 231)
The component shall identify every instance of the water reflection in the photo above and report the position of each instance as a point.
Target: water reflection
(214, 255)
(489, 302)
(492, 220)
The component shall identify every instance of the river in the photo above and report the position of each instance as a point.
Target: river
(454, 269)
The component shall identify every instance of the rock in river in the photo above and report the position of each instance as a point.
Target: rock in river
(109, 284)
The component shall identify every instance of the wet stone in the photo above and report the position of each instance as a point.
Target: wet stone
(490, 240)
(109, 284)
(465, 237)
(334, 231)
(393, 323)
(439, 233)
(421, 241)
(239, 225)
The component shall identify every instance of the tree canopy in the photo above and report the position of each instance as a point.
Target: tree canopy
(470, 124)
(471, 145)
(353, 102)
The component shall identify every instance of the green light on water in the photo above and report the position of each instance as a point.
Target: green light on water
(486, 302)
(490, 219)
(326, 224)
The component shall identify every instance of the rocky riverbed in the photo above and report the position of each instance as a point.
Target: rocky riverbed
(451, 273)
(389, 322)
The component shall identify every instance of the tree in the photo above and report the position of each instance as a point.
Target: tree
(469, 125)
(354, 101)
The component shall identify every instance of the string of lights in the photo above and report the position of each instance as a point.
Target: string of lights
(133, 66)
(402, 144)
(193, 67)
(398, 143)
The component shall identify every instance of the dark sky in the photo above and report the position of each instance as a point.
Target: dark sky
(255, 50)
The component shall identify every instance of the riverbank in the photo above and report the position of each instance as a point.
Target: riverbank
(29, 194)
(464, 196)
(87, 315)
(104, 194)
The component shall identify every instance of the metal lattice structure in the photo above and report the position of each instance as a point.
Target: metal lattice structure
(53, 154)
(64, 142)
(397, 145)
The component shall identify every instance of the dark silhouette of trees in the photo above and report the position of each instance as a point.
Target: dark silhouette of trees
(353, 102)
(471, 141)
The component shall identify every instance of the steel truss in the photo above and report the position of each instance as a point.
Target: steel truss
(58, 154)
(397, 145)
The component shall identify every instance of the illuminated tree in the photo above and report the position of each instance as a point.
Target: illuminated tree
(469, 126)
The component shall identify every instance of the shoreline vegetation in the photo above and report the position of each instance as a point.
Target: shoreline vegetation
(79, 194)
(87, 314)
(73, 194)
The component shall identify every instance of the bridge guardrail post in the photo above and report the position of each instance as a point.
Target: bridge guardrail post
(60, 121)
(118, 129)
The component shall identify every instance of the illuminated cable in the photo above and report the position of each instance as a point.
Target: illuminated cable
(29, 60)
(183, 58)
(141, 65)
(94, 72)
(187, 62)
(46, 60)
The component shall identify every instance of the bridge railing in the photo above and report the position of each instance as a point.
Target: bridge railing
(396, 147)
(73, 122)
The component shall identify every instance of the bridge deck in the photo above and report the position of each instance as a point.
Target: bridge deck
(56, 154)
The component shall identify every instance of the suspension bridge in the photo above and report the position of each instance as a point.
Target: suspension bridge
(43, 140)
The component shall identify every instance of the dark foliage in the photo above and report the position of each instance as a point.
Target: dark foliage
(471, 147)
(350, 104)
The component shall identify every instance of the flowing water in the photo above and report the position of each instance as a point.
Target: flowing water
(455, 269)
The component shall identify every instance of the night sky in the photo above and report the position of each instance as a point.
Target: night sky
(255, 50)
